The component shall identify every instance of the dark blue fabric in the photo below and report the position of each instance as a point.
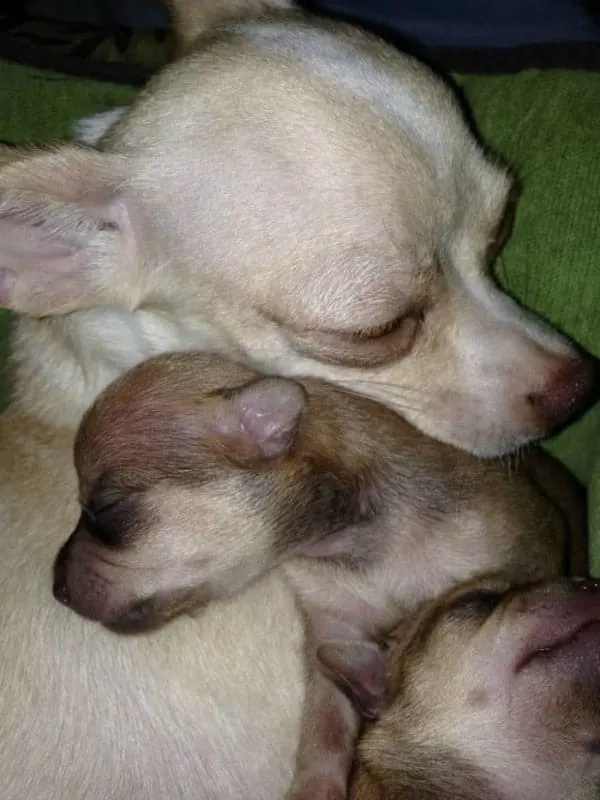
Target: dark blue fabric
(432, 23)
(476, 23)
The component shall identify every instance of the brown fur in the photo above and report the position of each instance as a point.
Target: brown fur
(233, 474)
(485, 728)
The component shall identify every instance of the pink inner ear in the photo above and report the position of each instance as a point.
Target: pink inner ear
(264, 416)
(358, 668)
(21, 242)
(38, 267)
(60, 229)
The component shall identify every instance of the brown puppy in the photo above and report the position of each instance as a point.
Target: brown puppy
(198, 476)
(493, 694)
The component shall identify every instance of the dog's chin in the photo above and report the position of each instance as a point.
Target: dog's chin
(150, 613)
(487, 443)
(143, 616)
(482, 447)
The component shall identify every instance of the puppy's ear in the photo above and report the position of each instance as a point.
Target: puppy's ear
(358, 669)
(260, 420)
(64, 231)
(190, 18)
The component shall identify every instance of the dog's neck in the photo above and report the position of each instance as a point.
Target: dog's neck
(383, 453)
(61, 364)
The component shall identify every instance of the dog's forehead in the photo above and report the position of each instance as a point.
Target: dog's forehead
(455, 613)
(352, 61)
(325, 150)
(334, 77)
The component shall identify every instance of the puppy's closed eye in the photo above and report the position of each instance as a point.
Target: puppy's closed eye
(479, 603)
(111, 523)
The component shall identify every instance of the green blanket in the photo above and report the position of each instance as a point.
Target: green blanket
(543, 123)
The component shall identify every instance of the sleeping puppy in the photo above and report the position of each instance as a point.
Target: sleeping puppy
(298, 195)
(198, 476)
(493, 694)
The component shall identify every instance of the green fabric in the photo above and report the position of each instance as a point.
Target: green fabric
(543, 123)
(40, 105)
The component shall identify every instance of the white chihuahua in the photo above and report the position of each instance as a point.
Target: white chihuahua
(299, 196)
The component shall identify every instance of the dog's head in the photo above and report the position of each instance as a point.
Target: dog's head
(493, 693)
(306, 199)
(197, 476)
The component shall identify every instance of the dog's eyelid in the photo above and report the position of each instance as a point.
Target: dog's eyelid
(380, 331)
(102, 502)
(482, 601)
(110, 491)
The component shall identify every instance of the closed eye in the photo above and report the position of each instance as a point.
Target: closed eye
(364, 347)
(107, 523)
(479, 602)
(413, 319)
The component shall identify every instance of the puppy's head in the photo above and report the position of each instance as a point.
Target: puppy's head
(195, 477)
(302, 197)
(494, 692)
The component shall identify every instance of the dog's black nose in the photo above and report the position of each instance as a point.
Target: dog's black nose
(59, 585)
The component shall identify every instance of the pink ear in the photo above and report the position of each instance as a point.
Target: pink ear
(261, 419)
(62, 226)
(358, 668)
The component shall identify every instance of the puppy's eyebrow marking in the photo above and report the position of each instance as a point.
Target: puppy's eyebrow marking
(109, 490)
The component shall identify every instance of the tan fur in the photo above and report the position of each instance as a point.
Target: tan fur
(190, 18)
(256, 190)
(198, 476)
(494, 723)
(300, 196)
(9, 154)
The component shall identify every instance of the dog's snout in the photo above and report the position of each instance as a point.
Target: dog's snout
(567, 391)
(82, 580)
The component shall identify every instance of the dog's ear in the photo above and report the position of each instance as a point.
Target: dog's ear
(258, 421)
(190, 18)
(64, 231)
(358, 669)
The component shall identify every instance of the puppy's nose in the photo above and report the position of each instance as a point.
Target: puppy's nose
(59, 585)
(568, 390)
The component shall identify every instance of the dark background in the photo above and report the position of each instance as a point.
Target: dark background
(433, 23)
